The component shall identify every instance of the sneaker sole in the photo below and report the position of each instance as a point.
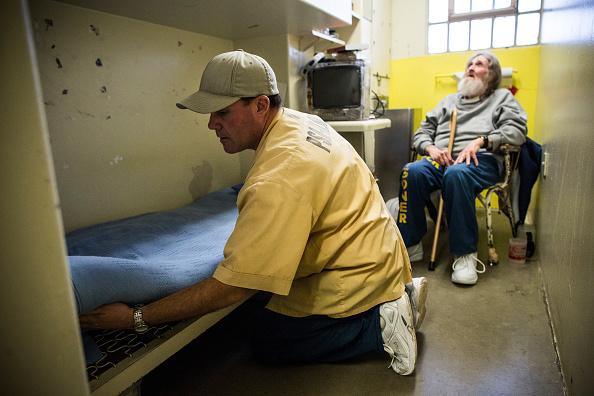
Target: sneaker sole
(410, 331)
(421, 299)
(406, 335)
(464, 281)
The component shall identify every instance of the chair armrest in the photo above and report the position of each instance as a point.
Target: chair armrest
(509, 148)
(511, 157)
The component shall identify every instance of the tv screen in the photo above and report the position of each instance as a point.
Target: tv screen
(336, 86)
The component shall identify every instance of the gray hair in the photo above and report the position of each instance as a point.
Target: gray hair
(494, 77)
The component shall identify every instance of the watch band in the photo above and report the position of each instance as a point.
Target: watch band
(140, 325)
(487, 145)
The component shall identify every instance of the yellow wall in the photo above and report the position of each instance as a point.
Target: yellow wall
(421, 82)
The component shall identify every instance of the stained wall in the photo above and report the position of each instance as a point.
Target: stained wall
(120, 145)
(565, 209)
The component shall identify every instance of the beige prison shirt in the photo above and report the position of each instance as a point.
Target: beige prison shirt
(313, 228)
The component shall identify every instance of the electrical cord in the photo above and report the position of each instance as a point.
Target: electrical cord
(378, 104)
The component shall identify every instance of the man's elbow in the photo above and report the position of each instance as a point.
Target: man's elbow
(241, 294)
(234, 294)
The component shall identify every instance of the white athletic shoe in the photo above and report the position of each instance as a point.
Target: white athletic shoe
(415, 252)
(417, 291)
(398, 334)
(393, 206)
(465, 271)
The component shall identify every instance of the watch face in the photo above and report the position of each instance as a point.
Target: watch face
(140, 325)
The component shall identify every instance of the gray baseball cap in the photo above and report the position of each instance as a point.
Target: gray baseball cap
(229, 77)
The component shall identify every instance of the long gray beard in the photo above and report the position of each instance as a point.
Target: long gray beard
(472, 88)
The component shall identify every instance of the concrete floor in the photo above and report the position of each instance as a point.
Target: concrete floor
(490, 339)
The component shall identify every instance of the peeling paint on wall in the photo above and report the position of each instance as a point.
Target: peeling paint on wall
(84, 113)
(117, 159)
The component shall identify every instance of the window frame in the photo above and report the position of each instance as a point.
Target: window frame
(470, 15)
(511, 10)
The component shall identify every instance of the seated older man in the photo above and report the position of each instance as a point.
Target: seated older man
(487, 117)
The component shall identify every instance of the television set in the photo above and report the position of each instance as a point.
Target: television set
(339, 90)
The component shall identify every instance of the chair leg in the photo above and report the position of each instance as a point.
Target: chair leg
(493, 256)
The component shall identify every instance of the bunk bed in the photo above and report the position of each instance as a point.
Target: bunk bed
(140, 259)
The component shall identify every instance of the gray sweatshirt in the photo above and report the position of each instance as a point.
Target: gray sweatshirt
(498, 116)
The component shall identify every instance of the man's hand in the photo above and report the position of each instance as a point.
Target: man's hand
(193, 301)
(469, 152)
(441, 156)
(110, 316)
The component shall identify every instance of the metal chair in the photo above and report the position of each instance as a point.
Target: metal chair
(503, 189)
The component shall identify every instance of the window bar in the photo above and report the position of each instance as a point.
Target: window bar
(511, 10)
(540, 22)
(453, 17)
(516, 30)
(492, 31)
(469, 35)
(448, 42)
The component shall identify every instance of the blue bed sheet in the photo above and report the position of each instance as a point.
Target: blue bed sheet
(143, 258)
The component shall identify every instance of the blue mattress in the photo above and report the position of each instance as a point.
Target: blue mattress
(140, 259)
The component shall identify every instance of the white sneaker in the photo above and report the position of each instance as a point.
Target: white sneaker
(417, 291)
(465, 271)
(398, 334)
(415, 252)
(393, 206)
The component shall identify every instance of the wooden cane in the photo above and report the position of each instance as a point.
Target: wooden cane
(440, 208)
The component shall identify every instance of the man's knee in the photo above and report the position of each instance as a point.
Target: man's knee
(458, 173)
(414, 170)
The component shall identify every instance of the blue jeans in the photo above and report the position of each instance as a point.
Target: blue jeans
(459, 184)
(316, 338)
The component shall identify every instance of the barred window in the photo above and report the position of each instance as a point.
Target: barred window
(461, 25)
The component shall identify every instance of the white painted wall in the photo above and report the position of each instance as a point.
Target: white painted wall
(409, 28)
(120, 145)
(381, 45)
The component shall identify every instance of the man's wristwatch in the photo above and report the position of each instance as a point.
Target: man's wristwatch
(485, 142)
(140, 325)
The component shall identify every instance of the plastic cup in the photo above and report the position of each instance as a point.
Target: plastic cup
(517, 250)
